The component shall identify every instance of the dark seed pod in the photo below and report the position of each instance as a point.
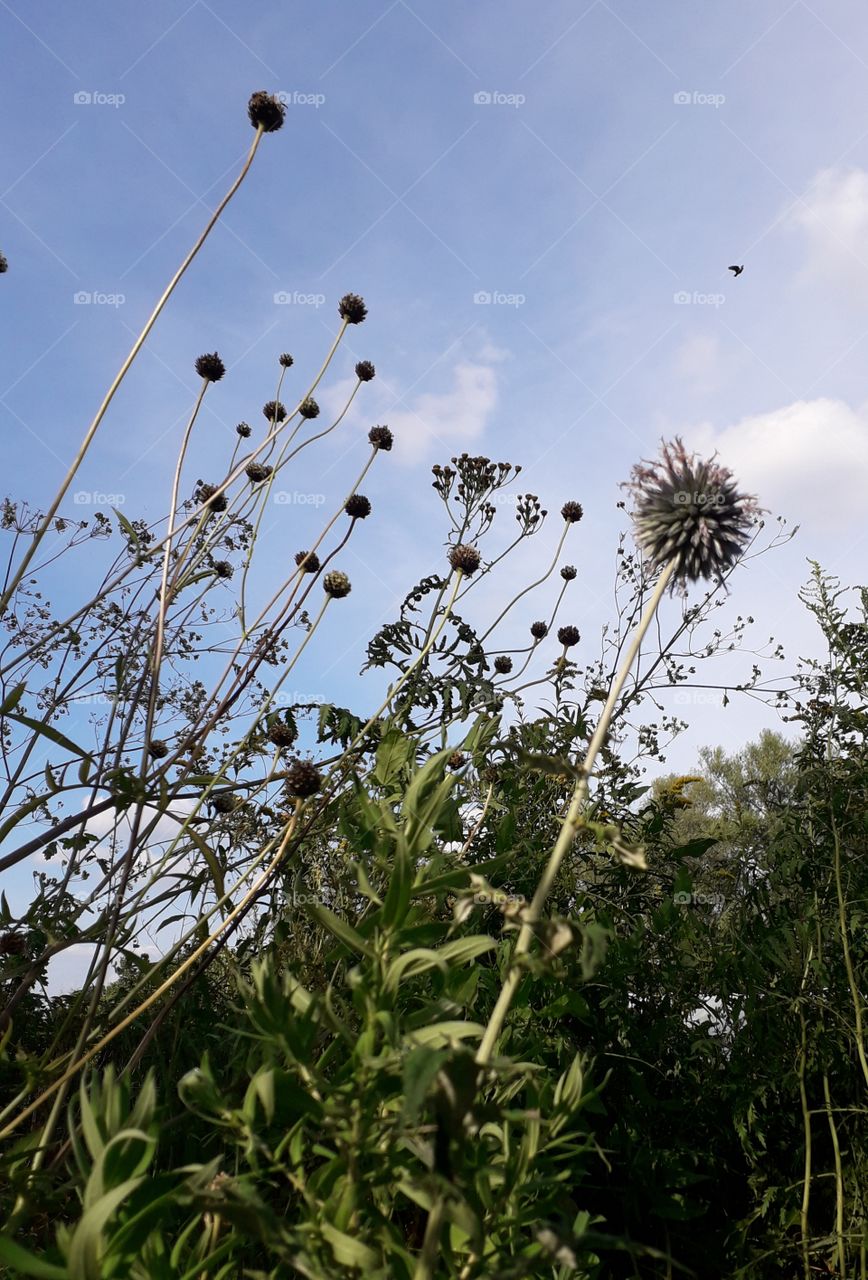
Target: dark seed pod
(307, 561)
(4, 265)
(303, 779)
(282, 734)
(225, 801)
(503, 664)
(336, 584)
(223, 569)
(464, 559)
(266, 112)
(539, 630)
(352, 308)
(243, 430)
(274, 411)
(286, 361)
(309, 408)
(158, 748)
(456, 761)
(357, 506)
(12, 944)
(207, 494)
(210, 367)
(572, 512)
(568, 572)
(381, 438)
(365, 371)
(568, 636)
(258, 471)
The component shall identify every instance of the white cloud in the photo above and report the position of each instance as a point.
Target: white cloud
(834, 216)
(698, 360)
(807, 461)
(451, 418)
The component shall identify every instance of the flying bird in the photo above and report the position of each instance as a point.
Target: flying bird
(736, 271)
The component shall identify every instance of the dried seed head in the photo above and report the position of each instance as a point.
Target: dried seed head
(365, 371)
(4, 265)
(357, 506)
(539, 630)
(568, 572)
(223, 569)
(225, 801)
(456, 761)
(282, 734)
(352, 308)
(336, 584)
(243, 430)
(303, 779)
(210, 367)
(503, 664)
(464, 559)
(258, 471)
(158, 748)
(274, 411)
(381, 438)
(689, 511)
(286, 361)
(207, 494)
(572, 512)
(265, 111)
(12, 944)
(309, 408)
(568, 636)
(307, 561)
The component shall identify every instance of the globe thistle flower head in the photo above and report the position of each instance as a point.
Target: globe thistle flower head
(568, 572)
(365, 371)
(286, 361)
(158, 748)
(274, 411)
(258, 471)
(282, 734)
(243, 430)
(503, 664)
(689, 511)
(352, 308)
(336, 584)
(223, 569)
(572, 512)
(568, 636)
(303, 779)
(357, 506)
(210, 367)
(207, 494)
(309, 408)
(4, 265)
(465, 559)
(456, 761)
(539, 630)
(381, 438)
(307, 561)
(266, 112)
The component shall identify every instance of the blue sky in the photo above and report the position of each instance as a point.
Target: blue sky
(593, 167)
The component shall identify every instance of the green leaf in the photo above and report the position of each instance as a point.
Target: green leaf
(10, 702)
(348, 1251)
(24, 1263)
(339, 928)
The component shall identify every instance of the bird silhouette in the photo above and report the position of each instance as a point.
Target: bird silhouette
(736, 271)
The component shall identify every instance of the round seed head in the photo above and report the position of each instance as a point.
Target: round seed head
(282, 734)
(308, 561)
(689, 511)
(225, 801)
(539, 630)
(309, 408)
(568, 572)
(352, 308)
(4, 265)
(158, 748)
(207, 494)
(243, 430)
(568, 636)
(265, 111)
(464, 559)
(381, 438)
(274, 411)
(503, 664)
(210, 367)
(456, 761)
(223, 569)
(365, 371)
(303, 779)
(336, 584)
(258, 471)
(286, 361)
(357, 506)
(572, 512)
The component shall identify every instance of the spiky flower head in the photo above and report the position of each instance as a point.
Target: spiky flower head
(456, 761)
(225, 801)
(207, 494)
(158, 748)
(568, 572)
(503, 664)
(381, 438)
(465, 559)
(282, 734)
(309, 408)
(274, 411)
(244, 430)
(365, 371)
(539, 630)
(210, 366)
(223, 569)
(336, 584)
(352, 308)
(357, 506)
(286, 361)
(303, 779)
(258, 471)
(568, 636)
(689, 511)
(4, 265)
(307, 561)
(266, 112)
(572, 512)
